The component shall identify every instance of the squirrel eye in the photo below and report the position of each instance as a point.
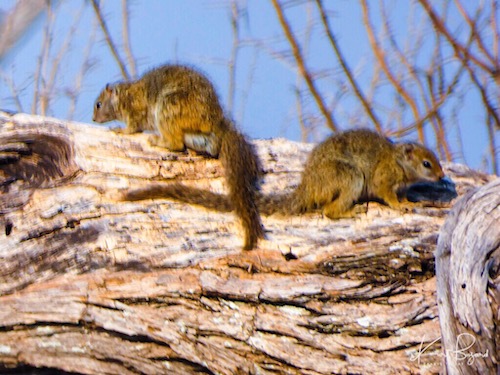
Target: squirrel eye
(98, 105)
(427, 164)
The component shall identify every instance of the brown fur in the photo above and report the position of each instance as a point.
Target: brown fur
(214, 201)
(355, 166)
(345, 169)
(183, 106)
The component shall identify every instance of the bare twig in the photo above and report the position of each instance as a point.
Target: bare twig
(16, 97)
(460, 50)
(74, 92)
(492, 145)
(18, 21)
(444, 94)
(248, 85)
(300, 112)
(439, 128)
(126, 38)
(301, 93)
(345, 67)
(408, 54)
(432, 111)
(235, 28)
(495, 5)
(109, 41)
(474, 30)
(484, 96)
(41, 98)
(460, 149)
(297, 53)
(374, 84)
(380, 56)
(436, 89)
(51, 80)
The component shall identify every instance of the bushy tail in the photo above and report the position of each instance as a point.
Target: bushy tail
(276, 203)
(267, 204)
(183, 193)
(242, 169)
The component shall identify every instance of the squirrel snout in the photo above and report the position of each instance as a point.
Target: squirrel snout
(440, 175)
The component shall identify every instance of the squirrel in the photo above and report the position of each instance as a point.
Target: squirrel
(182, 105)
(354, 167)
(351, 167)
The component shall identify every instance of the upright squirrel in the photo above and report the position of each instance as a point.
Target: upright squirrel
(348, 168)
(183, 106)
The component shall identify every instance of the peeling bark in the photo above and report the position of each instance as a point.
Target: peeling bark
(92, 285)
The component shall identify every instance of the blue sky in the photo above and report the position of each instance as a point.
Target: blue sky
(198, 32)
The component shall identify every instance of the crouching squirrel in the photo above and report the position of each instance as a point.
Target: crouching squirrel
(182, 105)
(347, 168)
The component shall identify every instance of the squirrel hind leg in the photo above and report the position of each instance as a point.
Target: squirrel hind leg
(339, 209)
(349, 183)
(206, 143)
(344, 205)
(175, 144)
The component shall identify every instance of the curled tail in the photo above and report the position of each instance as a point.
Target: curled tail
(242, 169)
(182, 193)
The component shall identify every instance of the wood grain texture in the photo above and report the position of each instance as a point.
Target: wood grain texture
(92, 285)
(468, 269)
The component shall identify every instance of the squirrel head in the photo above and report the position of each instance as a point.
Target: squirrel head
(105, 104)
(419, 163)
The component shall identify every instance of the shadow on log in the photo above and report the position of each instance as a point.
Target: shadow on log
(31, 161)
(93, 285)
(468, 283)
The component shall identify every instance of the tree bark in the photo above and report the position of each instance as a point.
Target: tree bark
(93, 285)
(468, 283)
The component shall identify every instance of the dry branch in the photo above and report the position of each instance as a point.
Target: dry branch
(345, 68)
(461, 51)
(17, 22)
(379, 53)
(301, 65)
(92, 285)
(109, 40)
(235, 47)
(127, 46)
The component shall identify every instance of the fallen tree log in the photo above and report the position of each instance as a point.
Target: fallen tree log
(92, 285)
(468, 283)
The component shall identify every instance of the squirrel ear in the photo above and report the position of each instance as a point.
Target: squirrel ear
(111, 89)
(406, 150)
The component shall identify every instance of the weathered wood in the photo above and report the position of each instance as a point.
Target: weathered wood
(468, 283)
(92, 285)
